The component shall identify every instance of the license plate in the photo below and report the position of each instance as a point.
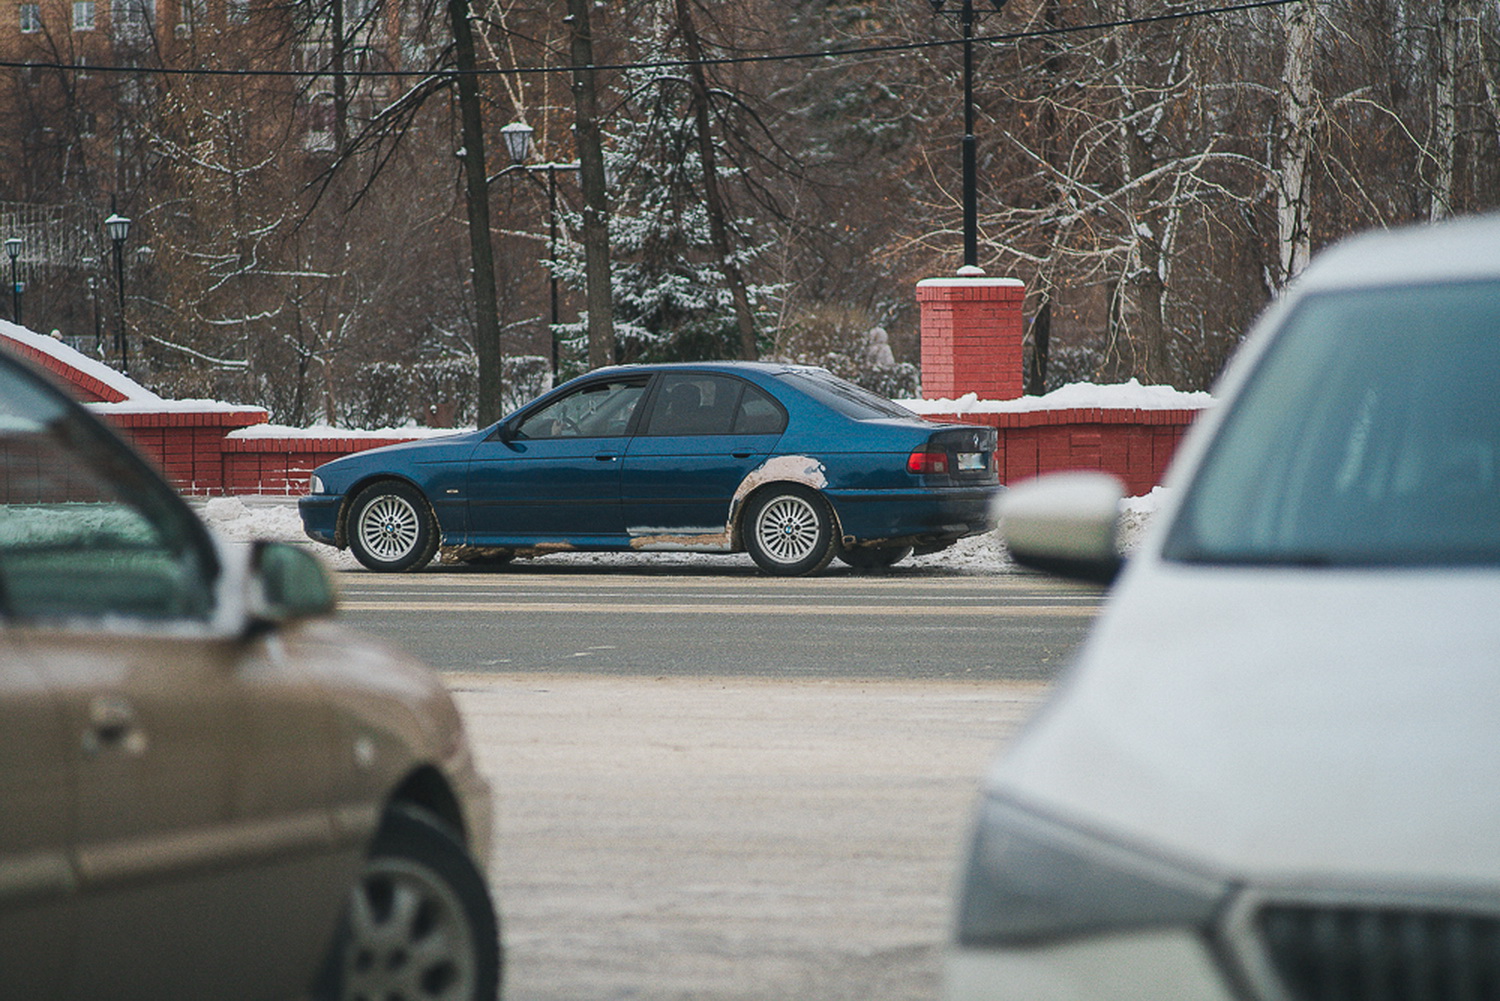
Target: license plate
(968, 462)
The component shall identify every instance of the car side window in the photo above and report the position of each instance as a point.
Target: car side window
(84, 533)
(696, 403)
(691, 403)
(597, 410)
(758, 414)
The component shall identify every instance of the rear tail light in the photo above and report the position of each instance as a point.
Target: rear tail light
(927, 462)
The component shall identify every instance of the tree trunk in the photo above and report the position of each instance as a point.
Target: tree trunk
(1145, 288)
(481, 251)
(1445, 109)
(718, 227)
(1298, 127)
(340, 85)
(595, 194)
(1486, 72)
(1041, 342)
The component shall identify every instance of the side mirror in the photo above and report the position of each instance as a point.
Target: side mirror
(288, 584)
(1064, 523)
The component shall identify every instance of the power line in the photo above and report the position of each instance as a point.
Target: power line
(1014, 36)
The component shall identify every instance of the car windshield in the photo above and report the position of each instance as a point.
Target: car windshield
(1369, 434)
(845, 397)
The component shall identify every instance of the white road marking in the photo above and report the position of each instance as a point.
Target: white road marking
(715, 608)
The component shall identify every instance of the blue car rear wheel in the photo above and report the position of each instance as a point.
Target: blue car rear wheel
(789, 531)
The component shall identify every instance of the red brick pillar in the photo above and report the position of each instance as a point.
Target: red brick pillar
(971, 337)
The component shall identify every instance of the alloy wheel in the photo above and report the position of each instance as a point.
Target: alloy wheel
(388, 527)
(788, 529)
(410, 940)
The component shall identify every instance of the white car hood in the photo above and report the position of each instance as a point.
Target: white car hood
(1283, 724)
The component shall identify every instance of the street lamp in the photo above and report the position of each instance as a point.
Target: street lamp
(517, 137)
(118, 228)
(967, 18)
(13, 249)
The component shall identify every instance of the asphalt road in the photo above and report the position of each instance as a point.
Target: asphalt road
(712, 785)
(696, 621)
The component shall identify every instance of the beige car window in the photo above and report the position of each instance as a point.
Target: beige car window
(77, 538)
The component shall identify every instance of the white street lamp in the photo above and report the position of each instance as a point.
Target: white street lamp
(517, 136)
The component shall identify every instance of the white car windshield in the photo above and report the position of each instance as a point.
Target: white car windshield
(1369, 434)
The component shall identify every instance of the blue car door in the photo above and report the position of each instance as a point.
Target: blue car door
(554, 475)
(703, 435)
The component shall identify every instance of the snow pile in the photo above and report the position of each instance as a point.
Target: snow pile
(1136, 514)
(237, 521)
(978, 553)
(1077, 396)
(273, 518)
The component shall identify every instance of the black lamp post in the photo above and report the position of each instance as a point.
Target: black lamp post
(517, 137)
(967, 18)
(13, 250)
(118, 228)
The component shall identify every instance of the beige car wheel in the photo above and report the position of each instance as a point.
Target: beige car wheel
(420, 925)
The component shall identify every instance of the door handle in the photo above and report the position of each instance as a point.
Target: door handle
(742, 455)
(113, 726)
(605, 456)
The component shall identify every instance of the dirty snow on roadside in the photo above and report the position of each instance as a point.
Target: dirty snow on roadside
(242, 519)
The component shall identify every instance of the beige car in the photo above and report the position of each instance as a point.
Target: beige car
(207, 790)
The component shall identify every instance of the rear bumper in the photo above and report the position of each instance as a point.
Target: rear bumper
(912, 517)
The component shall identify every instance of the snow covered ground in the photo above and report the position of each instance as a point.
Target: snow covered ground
(242, 519)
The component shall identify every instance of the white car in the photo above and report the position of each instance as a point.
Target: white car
(1274, 770)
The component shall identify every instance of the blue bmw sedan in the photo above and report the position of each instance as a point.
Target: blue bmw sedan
(789, 463)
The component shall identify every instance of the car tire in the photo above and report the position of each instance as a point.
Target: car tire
(788, 531)
(873, 557)
(419, 925)
(391, 528)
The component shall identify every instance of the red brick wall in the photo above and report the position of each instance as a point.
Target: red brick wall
(186, 445)
(972, 331)
(1135, 445)
(971, 337)
(282, 465)
(196, 454)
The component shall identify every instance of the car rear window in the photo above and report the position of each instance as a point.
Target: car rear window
(1369, 434)
(844, 396)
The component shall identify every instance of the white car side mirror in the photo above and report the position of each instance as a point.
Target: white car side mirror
(1064, 523)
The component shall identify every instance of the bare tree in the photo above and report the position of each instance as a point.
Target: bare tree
(1298, 118)
(712, 196)
(595, 196)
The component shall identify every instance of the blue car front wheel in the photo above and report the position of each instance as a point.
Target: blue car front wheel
(789, 531)
(391, 528)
